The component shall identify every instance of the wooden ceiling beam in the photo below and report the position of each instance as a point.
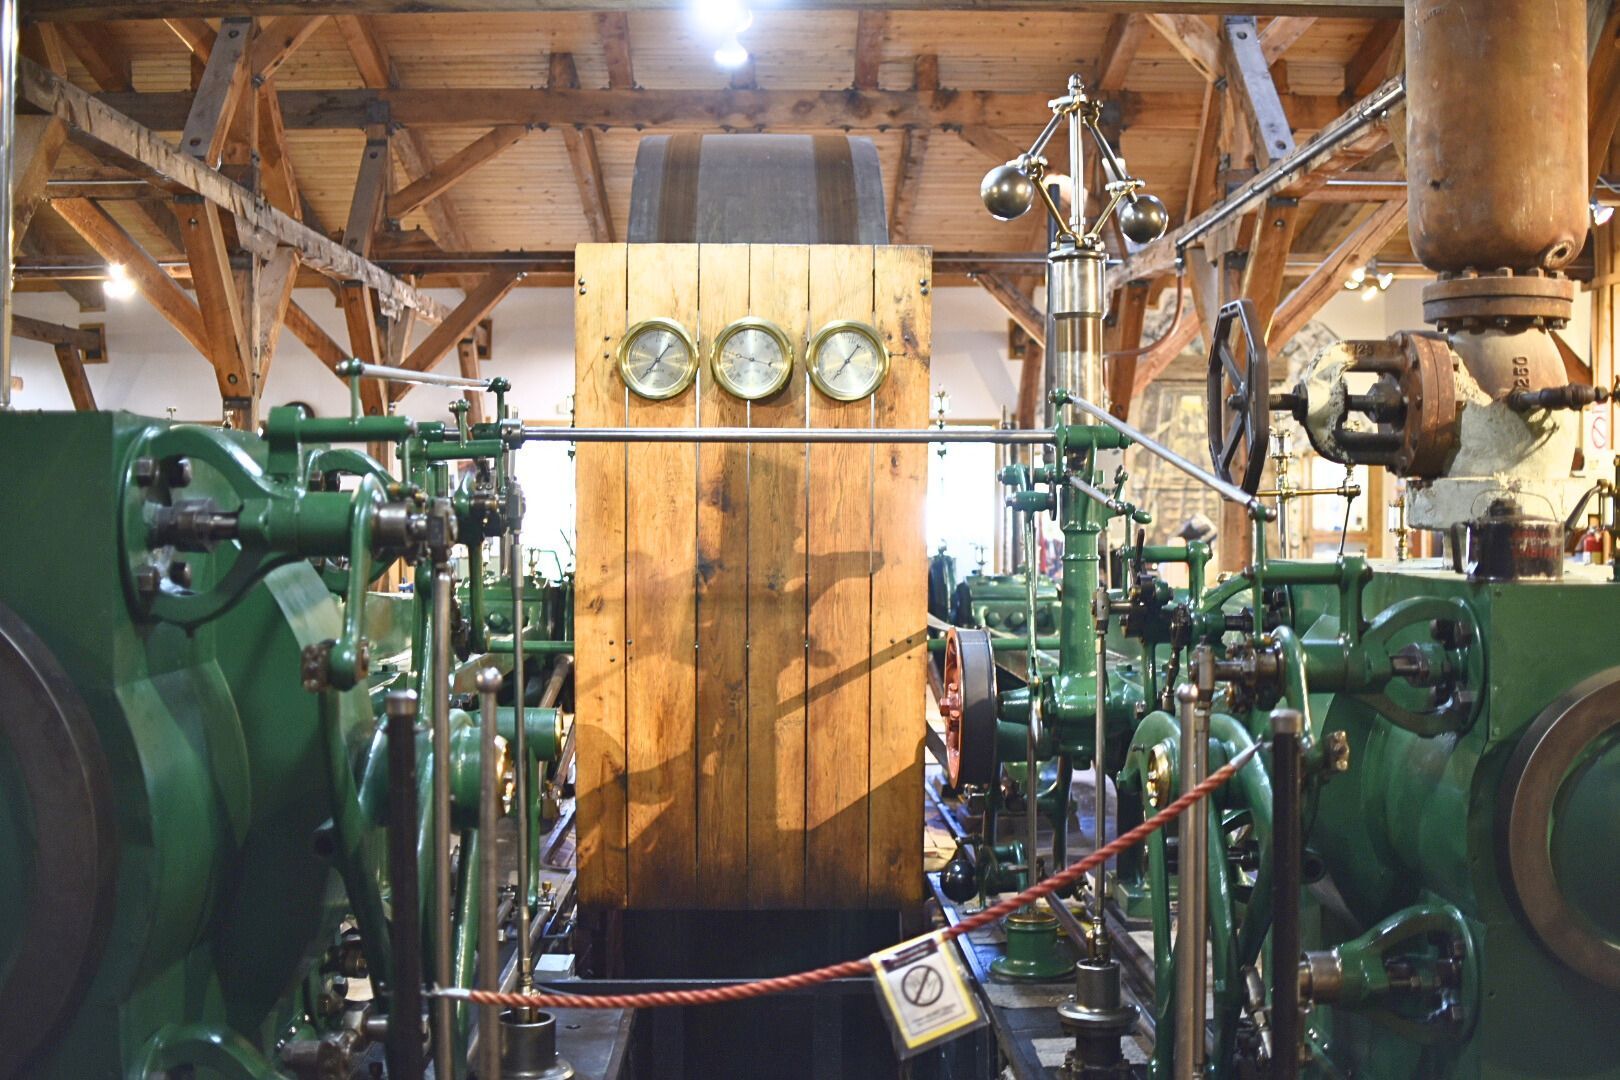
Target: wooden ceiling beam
(1163, 352)
(71, 361)
(1194, 39)
(1020, 308)
(467, 361)
(453, 169)
(582, 156)
(870, 27)
(108, 128)
(613, 27)
(1603, 92)
(1327, 280)
(1280, 34)
(196, 34)
(277, 279)
(479, 302)
(48, 333)
(1159, 257)
(277, 40)
(913, 154)
(214, 283)
(1125, 34)
(376, 71)
(104, 59)
(703, 110)
(1370, 64)
(1122, 336)
(39, 143)
(226, 80)
(1258, 101)
(113, 243)
(81, 10)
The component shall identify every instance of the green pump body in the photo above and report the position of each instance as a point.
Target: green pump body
(222, 895)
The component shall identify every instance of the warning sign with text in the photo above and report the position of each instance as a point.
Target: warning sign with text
(926, 992)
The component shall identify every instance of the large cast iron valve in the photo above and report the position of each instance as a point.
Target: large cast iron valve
(1237, 401)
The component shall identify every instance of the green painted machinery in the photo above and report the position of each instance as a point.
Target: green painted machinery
(193, 776)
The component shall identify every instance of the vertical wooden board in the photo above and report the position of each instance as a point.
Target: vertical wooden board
(722, 598)
(840, 608)
(599, 626)
(779, 290)
(903, 315)
(661, 605)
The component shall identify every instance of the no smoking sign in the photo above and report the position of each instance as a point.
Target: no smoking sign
(926, 993)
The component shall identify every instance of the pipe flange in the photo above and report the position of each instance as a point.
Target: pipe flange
(1428, 385)
(1501, 294)
(1560, 773)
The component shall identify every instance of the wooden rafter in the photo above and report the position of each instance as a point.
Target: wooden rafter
(1019, 307)
(1194, 39)
(1280, 34)
(102, 57)
(91, 342)
(870, 27)
(159, 9)
(1255, 94)
(1122, 336)
(376, 70)
(113, 243)
(1327, 280)
(467, 360)
(214, 283)
(277, 40)
(479, 302)
(273, 293)
(226, 80)
(704, 110)
(315, 339)
(108, 128)
(277, 180)
(913, 153)
(1153, 363)
(1370, 64)
(196, 34)
(1125, 34)
(1268, 256)
(453, 169)
(580, 143)
(613, 27)
(39, 142)
(71, 361)
(1603, 92)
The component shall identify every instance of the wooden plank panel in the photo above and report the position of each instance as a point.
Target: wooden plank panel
(723, 514)
(660, 612)
(599, 622)
(840, 601)
(777, 582)
(903, 315)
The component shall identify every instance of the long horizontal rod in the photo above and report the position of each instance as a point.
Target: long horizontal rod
(162, 9)
(408, 375)
(1230, 492)
(787, 435)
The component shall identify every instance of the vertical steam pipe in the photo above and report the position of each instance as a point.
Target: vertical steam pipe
(1100, 776)
(443, 1008)
(1287, 730)
(404, 1049)
(8, 154)
(520, 752)
(489, 931)
(1192, 920)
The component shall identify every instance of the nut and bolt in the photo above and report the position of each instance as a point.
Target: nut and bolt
(145, 471)
(180, 573)
(147, 580)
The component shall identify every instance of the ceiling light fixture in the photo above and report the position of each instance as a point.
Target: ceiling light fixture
(728, 17)
(1369, 280)
(731, 55)
(1601, 213)
(118, 285)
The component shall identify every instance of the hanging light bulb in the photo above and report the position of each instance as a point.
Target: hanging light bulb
(722, 16)
(118, 285)
(731, 55)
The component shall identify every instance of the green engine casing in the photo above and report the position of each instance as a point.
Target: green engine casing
(223, 898)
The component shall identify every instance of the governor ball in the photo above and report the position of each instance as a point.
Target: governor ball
(1143, 219)
(1007, 193)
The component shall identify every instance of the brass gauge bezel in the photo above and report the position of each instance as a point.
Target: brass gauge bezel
(770, 330)
(813, 355)
(643, 327)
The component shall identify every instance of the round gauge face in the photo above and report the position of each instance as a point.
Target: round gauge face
(752, 359)
(848, 361)
(657, 359)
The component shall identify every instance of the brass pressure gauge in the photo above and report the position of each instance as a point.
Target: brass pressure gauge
(752, 359)
(657, 359)
(848, 360)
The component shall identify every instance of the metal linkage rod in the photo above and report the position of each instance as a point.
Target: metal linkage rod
(1097, 494)
(1230, 492)
(408, 375)
(404, 1049)
(488, 1064)
(1192, 918)
(520, 752)
(443, 1015)
(787, 435)
(1287, 840)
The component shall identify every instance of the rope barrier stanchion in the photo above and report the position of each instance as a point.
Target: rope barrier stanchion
(862, 967)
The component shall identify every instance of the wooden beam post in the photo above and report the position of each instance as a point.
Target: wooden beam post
(870, 26)
(1020, 308)
(277, 40)
(467, 357)
(226, 80)
(214, 282)
(39, 142)
(480, 301)
(613, 27)
(113, 243)
(1327, 280)
(1257, 97)
(1122, 334)
(913, 153)
(71, 362)
(1194, 39)
(582, 157)
(1119, 49)
(453, 169)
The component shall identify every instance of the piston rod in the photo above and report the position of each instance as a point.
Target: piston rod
(404, 1049)
(443, 1013)
(1192, 918)
(534, 433)
(520, 753)
(489, 928)
(408, 375)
